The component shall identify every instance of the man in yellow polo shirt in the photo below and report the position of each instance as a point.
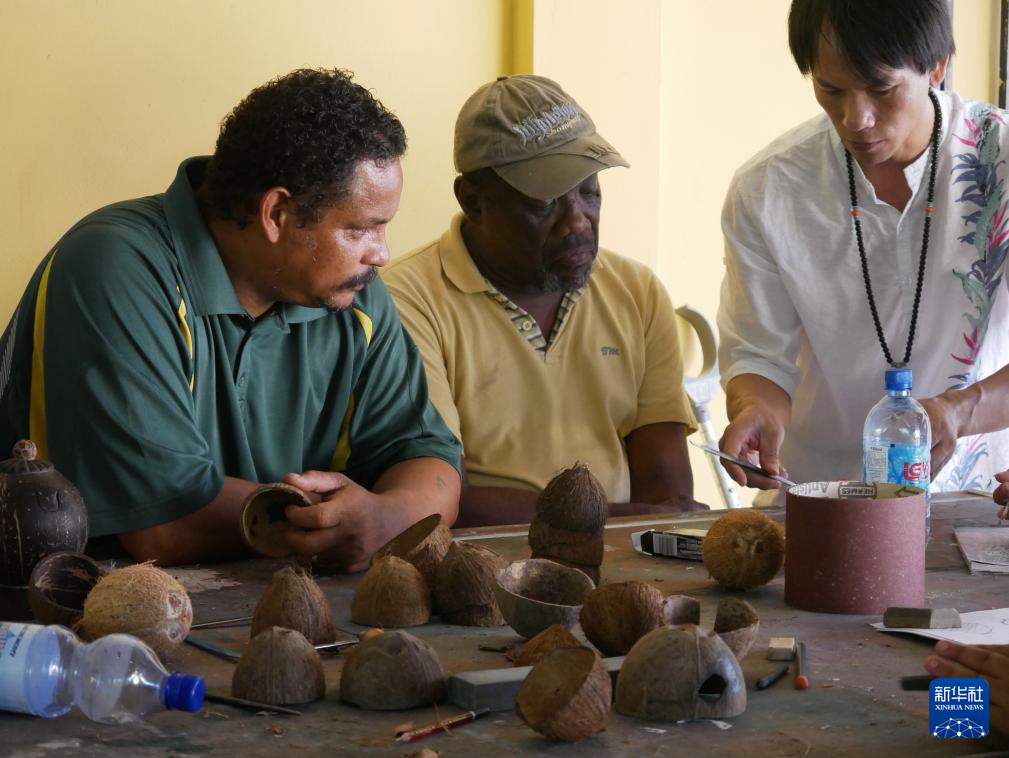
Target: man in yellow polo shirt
(540, 349)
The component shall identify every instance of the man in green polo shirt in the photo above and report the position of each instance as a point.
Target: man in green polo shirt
(541, 350)
(171, 353)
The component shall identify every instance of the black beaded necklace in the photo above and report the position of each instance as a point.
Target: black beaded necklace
(929, 209)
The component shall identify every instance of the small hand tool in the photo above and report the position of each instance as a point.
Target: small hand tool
(249, 704)
(440, 726)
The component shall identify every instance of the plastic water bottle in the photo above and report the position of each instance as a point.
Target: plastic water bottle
(897, 439)
(45, 670)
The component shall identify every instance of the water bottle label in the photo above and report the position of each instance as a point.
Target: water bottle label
(15, 640)
(900, 464)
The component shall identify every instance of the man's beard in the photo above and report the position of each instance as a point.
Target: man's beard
(550, 281)
(355, 281)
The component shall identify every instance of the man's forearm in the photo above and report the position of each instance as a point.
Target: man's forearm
(754, 391)
(982, 407)
(490, 506)
(419, 487)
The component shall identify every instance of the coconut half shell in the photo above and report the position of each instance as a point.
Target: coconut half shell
(263, 522)
(615, 616)
(393, 593)
(392, 671)
(59, 585)
(535, 593)
(574, 500)
(554, 637)
(140, 600)
(567, 695)
(293, 600)
(279, 667)
(743, 549)
(681, 609)
(737, 623)
(424, 545)
(464, 589)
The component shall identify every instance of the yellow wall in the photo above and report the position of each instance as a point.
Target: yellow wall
(103, 98)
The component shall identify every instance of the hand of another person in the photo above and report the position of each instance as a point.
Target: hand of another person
(988, 662)
(344, 528)
(944, 419)
(756, 437)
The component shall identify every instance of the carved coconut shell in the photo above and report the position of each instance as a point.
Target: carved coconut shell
(535, 593)
(681, 609)
(567, 695)
(680, 673)
(584, 548)
(140, 600)
(59, 585)
(263, 521)
(424, 545)
(41, 512)
(392, 671)
(737, 623)
(279, 667)
(554, 637)
(592, 572)
(293, 600)
(616, 616)
(464, 589)
(574, 500)
(393, 593)
(743, 549)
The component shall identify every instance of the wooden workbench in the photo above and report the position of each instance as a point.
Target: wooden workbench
(854, 706)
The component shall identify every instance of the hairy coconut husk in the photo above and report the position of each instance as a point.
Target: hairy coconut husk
(392, 593)
(567, 695)
(615, 616)
(464, 589)
(680, 673)
(59, 585)
(554, 637)
(681, 609)
(743, 549)
(424, 545)
(574, 500)
(535, 593)
(140, 600)
(392, 671)
(293, 600)
(576, 547)
(737, 623)
(280, 667)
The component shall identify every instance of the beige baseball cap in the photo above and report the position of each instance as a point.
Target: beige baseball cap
(533, 134)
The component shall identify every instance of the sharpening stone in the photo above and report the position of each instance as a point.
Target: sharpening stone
(781, 649)
(921, 618)
(496, 689)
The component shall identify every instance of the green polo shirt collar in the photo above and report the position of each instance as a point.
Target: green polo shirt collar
(211, 290)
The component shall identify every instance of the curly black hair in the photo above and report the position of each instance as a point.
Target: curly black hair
(305, 131)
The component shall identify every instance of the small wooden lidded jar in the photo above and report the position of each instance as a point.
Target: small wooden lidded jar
(41, 512)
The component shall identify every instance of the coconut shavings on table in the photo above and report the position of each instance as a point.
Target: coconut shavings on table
(989, 627)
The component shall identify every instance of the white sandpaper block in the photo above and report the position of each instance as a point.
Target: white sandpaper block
(921, 618)
(781, 649)
(495, 689)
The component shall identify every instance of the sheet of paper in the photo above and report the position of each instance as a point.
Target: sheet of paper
(979, 628)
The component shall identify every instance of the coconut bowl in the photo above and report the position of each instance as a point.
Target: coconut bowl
(263, 520)
(536, 593)
(59, 585)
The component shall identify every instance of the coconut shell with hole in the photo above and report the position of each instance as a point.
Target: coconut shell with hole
(574, 547)
(59, 585)
(279, 667)
(140, 600)
(680, 673)
(424, 545)
(392, 593)
(464, 589)
(681, 609)
(393, 671)
(615, 616)
(743, 549)
(293, 600)
(737, 623)
(567, 695)
(554, 637)
(574, 500)
(535, 593)
(263, 521)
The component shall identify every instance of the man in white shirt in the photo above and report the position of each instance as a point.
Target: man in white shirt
(802, 353)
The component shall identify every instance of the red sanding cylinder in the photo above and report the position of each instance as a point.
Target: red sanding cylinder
(853, 547)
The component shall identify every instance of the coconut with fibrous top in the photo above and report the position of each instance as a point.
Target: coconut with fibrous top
(424, 545)
(743, 549)
(615, 616)
(392, 671)
(140, 600)
(554, 637)
(464, 589)
(737, 623)
(573, 500)
(293, 600)
(279, 667)
(392, 593)
(567, 695)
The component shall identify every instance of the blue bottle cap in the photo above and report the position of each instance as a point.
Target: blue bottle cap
(898, 379)
(184, 692)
